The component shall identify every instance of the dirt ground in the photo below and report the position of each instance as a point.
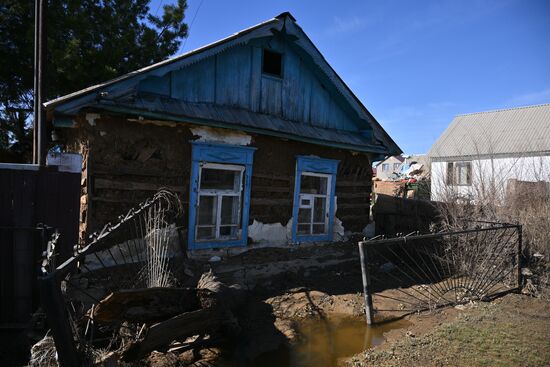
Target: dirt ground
(510, 331)
(313, 316)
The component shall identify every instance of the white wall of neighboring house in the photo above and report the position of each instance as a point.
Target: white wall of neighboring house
(489, 173)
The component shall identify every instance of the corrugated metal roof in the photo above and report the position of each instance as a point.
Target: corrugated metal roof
(515, 131)
(157, 106)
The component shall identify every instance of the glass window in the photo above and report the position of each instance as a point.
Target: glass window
(385, 167)
(459, 173)
(463, 172)
(314, 200)
(219, 202)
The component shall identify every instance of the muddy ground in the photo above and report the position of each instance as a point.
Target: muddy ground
(304, 309)
(511, 330)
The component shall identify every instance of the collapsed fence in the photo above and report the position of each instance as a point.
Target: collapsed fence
(419, 272)
(140, 251)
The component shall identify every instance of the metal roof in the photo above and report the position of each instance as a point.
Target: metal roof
(156, 107)
(70, 104)
(511, 132)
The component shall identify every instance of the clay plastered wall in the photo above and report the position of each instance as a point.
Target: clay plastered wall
(127, 160)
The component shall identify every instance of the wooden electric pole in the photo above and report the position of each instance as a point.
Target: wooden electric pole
(39, 123)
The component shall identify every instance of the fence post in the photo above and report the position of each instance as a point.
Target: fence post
(520, 249)
(52, 301)
(363, 255)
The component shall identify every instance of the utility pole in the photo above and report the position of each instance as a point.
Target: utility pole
(39, 123)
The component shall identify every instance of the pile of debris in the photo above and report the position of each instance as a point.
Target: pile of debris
(132, 292)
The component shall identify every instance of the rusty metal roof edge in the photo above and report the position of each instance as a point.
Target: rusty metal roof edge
(366, 148)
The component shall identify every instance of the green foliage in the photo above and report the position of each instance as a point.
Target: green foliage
(88, 42)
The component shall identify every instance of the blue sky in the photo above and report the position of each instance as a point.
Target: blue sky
(414, 64)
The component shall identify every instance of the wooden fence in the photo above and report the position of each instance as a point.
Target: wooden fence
(33, 203)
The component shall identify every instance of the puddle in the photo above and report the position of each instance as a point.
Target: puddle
(327, 340)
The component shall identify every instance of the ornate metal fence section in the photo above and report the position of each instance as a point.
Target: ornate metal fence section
(142, 250)
(420, 272)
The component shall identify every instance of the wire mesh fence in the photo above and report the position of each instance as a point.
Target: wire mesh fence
(142, 250)
(420, 272)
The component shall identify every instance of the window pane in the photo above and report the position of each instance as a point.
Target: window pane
(230, 210)
(304, 215)
(304, 229)
(319, 229)
(313, 185)
(229, 231)
(319, 210)
(220, 179)
(206, 233)
(462, 173)
(207, 210)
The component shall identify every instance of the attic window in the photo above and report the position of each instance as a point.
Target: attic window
(272, 63)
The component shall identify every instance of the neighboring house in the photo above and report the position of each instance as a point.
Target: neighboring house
(256, 132)
(387, 168)
(480, 153)
(416, 166)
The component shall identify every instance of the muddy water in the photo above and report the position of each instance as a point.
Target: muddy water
(325, 341)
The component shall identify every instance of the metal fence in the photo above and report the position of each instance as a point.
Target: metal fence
(138, 251)
(420, 272)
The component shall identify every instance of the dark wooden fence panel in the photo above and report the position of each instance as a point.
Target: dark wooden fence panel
(29, 199)
(394, 215)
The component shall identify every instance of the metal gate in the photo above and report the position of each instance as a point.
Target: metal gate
(419, 272)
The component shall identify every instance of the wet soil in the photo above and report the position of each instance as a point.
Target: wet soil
(509, 331)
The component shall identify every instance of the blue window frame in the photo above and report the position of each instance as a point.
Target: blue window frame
(219, 195)
(313, 210)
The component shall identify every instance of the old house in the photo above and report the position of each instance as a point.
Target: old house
(257, 133)
(387, 168)
(480, 154)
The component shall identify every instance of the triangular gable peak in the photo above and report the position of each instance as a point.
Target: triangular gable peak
(227, 78)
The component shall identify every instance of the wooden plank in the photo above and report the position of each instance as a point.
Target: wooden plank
(56, 311)
(103, 183)
(354, 218)
(353, 205)
(271, 189)
(103, 169)
(145, 305)
(177, 328)
(100, 199)
(270, 202)
(348, 183)
(272, 177)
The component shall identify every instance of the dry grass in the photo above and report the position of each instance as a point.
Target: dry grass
(43, 353)
(511, 331)
(508, 201)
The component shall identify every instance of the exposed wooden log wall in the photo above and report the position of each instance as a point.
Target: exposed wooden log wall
(127, 162)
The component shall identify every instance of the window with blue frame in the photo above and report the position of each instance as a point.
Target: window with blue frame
(314, 202)
(220, 195)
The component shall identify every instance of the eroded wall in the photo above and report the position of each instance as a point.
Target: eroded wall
(127, 160)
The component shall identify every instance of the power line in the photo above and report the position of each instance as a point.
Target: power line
(158, 7)
(191, 25)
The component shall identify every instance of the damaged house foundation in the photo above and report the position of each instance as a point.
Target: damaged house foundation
(260, 138)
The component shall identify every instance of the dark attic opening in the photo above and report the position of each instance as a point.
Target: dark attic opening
(272, 63)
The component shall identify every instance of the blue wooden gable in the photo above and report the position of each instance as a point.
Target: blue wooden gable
(223, 85)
